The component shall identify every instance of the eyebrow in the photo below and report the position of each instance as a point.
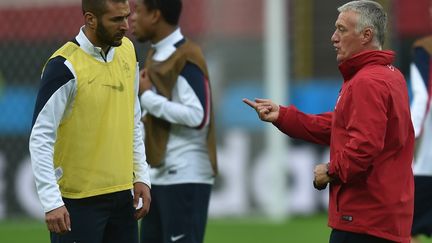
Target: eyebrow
(121, 16)
(337, 25)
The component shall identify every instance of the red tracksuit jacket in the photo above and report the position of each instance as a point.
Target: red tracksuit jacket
(371, 142)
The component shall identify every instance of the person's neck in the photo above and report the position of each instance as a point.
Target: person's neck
(163, 32)
(91, 36)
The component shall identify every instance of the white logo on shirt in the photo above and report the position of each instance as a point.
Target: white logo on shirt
(177, 237)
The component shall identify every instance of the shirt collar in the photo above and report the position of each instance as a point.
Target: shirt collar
(351, 66)
(166, 47)
(92, 50)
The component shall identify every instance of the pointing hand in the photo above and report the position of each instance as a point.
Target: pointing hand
(265, 108)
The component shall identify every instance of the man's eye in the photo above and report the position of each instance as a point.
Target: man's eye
(119, 19)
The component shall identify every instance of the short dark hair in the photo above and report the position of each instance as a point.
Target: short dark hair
(97, 7)
(170, 9)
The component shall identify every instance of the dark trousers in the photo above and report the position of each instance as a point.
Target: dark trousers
(422, 222)
(178, 213)
(338, 236)
(106, 218)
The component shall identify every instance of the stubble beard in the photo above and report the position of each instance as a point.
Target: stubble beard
(104, 37)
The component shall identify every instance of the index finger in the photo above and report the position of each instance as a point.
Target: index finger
(250, 103)
(68, 222)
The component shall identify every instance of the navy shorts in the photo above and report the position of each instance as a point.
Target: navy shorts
(106, 218)
(178, 213)
(422, 223)
(339, 236)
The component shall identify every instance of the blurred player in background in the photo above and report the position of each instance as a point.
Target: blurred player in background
(86, 143)
(420, 73)
(370, 134)
(179, 129)
(422, 120)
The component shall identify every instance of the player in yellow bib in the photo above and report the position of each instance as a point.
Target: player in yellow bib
(86, 141)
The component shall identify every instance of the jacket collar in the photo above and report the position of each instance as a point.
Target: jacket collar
(351, 66)
(166, 47)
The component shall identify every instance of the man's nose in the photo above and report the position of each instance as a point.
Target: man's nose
(125, 24)
(334, 37)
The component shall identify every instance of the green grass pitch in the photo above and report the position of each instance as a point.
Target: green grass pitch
(311, 229)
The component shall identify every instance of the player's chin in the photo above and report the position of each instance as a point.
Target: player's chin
(117, 40)
(117, 43)
(340, 58)
(138, 37)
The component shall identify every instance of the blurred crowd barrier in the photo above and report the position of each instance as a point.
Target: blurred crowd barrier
(231, 34)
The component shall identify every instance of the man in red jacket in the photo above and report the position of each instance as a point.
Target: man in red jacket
(370, 134)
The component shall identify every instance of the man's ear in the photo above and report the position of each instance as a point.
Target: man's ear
(367, 36)
(156, 16)
(90, 20)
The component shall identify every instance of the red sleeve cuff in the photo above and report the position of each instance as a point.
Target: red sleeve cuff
(332, 171)
(282, 112)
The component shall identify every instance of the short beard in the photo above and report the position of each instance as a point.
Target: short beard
(104, 38)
